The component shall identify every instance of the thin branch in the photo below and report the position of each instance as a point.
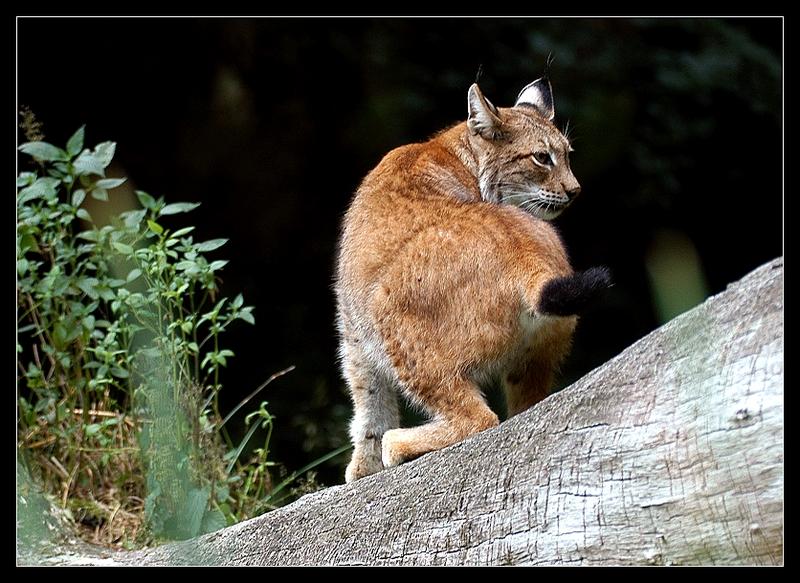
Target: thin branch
(244, 401)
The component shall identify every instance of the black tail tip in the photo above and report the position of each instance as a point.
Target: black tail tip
(573, 294)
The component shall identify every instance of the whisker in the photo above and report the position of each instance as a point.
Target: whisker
(566, 131)
(517, 195)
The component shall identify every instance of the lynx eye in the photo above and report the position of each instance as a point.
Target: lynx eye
(543, 158)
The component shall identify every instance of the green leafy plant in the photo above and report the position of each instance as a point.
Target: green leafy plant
(120, 357)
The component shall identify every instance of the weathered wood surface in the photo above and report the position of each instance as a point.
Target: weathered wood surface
(670, 453)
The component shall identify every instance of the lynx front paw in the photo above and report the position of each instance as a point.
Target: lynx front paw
(362, 465)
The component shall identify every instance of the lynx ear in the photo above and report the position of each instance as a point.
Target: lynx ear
(483, 117)
(538, 94)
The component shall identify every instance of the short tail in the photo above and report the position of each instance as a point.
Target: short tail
(573, 294)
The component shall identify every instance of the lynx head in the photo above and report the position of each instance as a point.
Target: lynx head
(523, 159)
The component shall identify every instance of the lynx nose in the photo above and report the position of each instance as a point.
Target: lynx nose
(572, 192)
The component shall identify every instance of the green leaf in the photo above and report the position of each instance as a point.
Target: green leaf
(122, 248)
(120, 373)
(134, 274)
(217, 265)
(25, 179)
(210, 245)
(181, 232)
(194, 510)
(187, 266)
(87, 163)
(222, 493)
(133, 218)
(59, 334)
(87, 285)
(42, 188)
(247, 316)
(109, 183)
(237, 301)
(44, 151)
(75, 143)
(92, 429)
(63, 171)
(22, 266)
(77, 197)
(213, 520)
(84, 214)
(99, 194)
(178, 207)
(106, 293)
(89, 235)
(147, 201)
(155, 227)
(28, 243)
(104, 152)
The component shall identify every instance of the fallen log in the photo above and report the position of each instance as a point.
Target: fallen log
(670, 453)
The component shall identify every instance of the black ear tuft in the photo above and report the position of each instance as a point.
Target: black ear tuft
(573, 294)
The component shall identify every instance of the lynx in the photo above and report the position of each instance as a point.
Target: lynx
(450, 278)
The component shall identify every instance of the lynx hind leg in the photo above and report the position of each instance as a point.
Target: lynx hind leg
(375, 412)
(532, 379)
(458, 411)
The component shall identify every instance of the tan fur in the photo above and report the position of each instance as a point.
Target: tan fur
(438, 279)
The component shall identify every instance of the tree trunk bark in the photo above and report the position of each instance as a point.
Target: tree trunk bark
(671, 453)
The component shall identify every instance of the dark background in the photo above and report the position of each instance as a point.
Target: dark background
(272, 123)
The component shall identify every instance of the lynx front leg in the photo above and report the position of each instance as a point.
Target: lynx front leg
(458, 411)
(375, 411)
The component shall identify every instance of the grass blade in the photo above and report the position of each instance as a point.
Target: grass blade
(294, 475)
